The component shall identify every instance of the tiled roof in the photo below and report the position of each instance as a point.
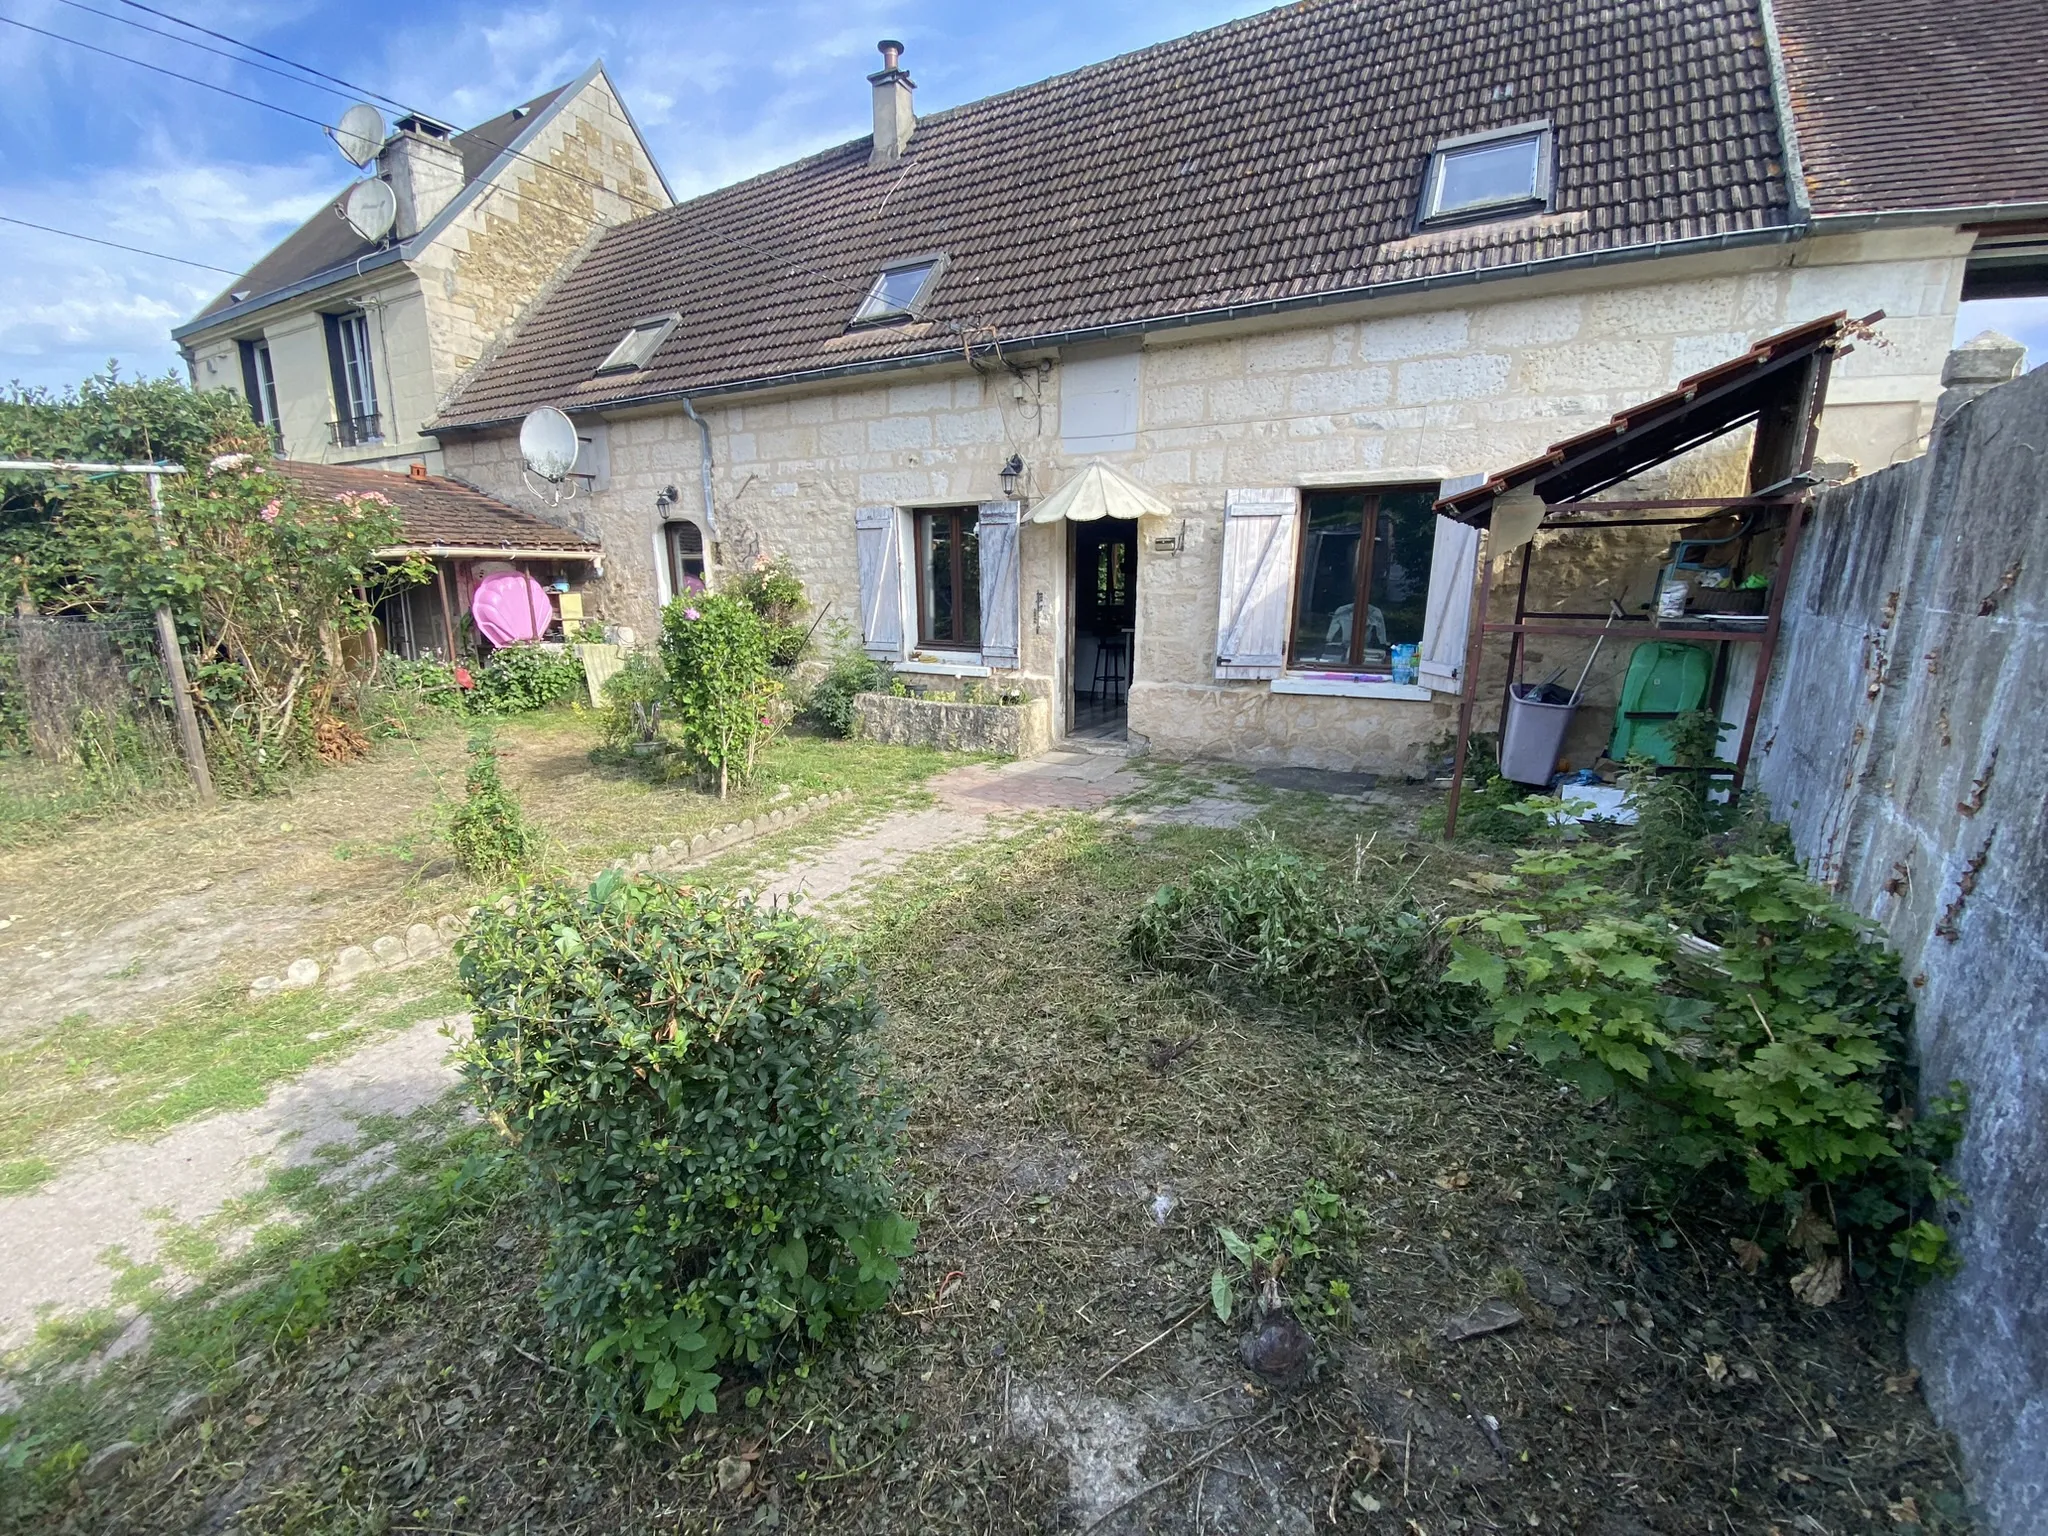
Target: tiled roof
(1270, 160)
(325, 240)
(437, 513)
(1900, 104)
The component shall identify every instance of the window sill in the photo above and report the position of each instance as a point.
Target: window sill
(966, 666)
(1350, 688)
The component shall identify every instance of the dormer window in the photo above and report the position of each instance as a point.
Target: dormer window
(900, 290)
(1488, 175)
(637, 347)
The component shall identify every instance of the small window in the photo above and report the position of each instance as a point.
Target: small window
(685, 557)
(900, 290)
(949, 579)
(1362, 582)
(637, 347)
(1488, 174)
(259, 383)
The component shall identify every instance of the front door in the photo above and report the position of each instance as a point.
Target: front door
(1102, 645)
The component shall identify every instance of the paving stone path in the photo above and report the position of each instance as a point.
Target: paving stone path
(67, 1242)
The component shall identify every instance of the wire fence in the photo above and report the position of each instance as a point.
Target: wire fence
(85, 692)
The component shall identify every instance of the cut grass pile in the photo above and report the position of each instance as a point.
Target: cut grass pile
(1078, 1136)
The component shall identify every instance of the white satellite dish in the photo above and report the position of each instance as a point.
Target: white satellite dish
(548, 444)
(371, 209)
(360, 133)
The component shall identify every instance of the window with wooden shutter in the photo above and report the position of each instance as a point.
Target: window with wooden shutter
(1447, 624)
(1258, 576)
(879, 549)
(1000, 575)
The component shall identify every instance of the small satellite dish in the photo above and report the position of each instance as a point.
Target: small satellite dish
(360, 133)
(371, 209)
(548, 444)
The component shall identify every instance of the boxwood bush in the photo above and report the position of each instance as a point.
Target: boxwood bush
(692, 1080)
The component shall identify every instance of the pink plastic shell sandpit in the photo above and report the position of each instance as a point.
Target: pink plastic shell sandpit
(511, 608)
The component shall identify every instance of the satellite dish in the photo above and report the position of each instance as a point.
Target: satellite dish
(371, 209)
(548, 444)
(360, 133)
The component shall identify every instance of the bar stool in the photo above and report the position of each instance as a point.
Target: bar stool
(1112, 666)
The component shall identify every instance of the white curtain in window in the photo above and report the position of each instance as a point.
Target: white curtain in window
(878, 546)
(1000, 575)
(355, 359)
(1446, 624)
(1258, 577)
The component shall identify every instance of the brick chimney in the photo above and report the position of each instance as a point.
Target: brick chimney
(424, 169)
(894, 118)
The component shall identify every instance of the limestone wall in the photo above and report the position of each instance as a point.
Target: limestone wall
(1464, 381)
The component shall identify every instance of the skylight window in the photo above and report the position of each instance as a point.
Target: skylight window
(1488, 174)
(637, 347)
(900, 290)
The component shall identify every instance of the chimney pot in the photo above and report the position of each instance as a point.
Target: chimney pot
(894, 118)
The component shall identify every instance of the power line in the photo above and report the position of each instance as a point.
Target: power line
(72, 234)
(360, 90)
(233, 58)
(254, 101)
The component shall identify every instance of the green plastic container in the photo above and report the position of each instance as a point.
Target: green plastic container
(1665, 679)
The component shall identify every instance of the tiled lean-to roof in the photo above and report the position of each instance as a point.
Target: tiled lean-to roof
(439, 514)
(1274, 160)
(1904, 105)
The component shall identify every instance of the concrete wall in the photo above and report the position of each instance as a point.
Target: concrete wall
(1903, 742)
(1465, 381)
(433, 317)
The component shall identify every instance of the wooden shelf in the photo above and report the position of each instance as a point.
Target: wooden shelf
(1626, 629)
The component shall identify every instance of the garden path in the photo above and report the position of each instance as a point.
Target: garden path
(71, 1240)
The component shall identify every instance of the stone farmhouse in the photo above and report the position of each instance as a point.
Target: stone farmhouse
(346, 347)
(1287, 281)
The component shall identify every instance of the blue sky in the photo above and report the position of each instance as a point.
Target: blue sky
(721, 88)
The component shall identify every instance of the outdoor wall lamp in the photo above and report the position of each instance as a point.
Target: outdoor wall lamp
(1012, 471)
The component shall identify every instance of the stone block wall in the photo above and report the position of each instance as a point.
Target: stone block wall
(1464, 381)
(1902, 741)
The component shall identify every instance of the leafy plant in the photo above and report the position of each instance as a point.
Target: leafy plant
(724, 702)
(518, 679)
(1774, 1069)
(487, 831)
(1275, 923)
(830, 705)
(1486, 806)
(634, 699)
(691, 1078)
(775, 592)
(1291, 1244)
(1674, 815)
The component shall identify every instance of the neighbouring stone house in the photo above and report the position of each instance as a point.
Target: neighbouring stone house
(1293, 277)
(345, 347)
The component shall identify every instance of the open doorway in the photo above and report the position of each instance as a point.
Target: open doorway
(1102, 645)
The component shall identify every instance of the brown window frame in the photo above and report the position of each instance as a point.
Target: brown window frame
(919, 518)
(1368, 530)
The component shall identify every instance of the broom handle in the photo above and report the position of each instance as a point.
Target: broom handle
(1613, 612)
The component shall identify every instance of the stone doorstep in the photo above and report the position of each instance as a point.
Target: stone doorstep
(390, 953)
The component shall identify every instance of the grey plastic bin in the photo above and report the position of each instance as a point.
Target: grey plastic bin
(1538, 717)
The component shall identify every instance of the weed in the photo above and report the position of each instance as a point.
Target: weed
(489, 835)
(829, 705)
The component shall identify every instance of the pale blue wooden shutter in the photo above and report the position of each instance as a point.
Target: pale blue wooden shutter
(997, 530)
(1447, 622)
(879, 549)
(1258, 581)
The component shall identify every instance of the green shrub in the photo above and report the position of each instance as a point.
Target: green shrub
(722, 699)
(830, 705)
(1775, 1070)
(518, 679)
(776, 594)
(634, 699)
(1487, 806)
(489, 835)
(1674, 814)
(692, 1080)
(1275, 923)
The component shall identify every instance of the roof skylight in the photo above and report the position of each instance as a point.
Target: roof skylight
(900, 290)
(637, 347)
(1504, 171)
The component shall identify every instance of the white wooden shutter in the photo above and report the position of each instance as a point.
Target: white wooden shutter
(880, 551)
(1446, 623)
(1258, 580)
(996, 528)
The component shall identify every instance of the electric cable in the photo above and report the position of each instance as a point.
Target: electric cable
(360, 90)
(222, 53)
(72, 234)
(254, 101)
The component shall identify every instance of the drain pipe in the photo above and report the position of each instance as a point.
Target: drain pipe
(704, 467)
